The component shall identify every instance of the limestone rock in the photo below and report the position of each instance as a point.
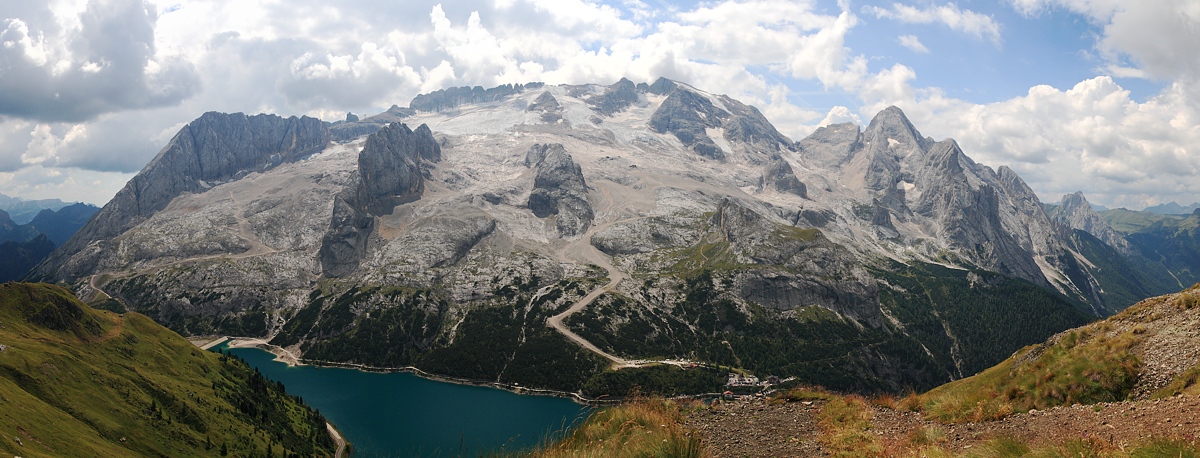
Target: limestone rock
(389, 167)
(548, 106)
(615, 98)
(832, 145)
(345, 245)
(215, 148)
(780, 177)
(688, 115)
(1077, 213)
(559, 189)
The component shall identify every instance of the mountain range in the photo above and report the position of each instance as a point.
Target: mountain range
(22, 211)
(640, 221)
(23, 246)
(1173, 208)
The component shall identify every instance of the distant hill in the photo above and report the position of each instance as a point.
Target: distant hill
(16, 258)
(23, 211)
(22, 246)
(75, 381)
(59, 225)
(1173, 208)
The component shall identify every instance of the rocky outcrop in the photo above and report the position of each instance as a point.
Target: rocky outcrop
(832, 145)
(389, 167)
(559, 189)
(353, 127)
(794, 267)
(1076, 213)
(615, 98)
(688, 115)
(548, 106)
(390, 173)
(345, 245)
(747, 126)
(215, 148)
(661, 86)
(779, 176)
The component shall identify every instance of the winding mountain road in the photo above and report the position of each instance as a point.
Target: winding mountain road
(583, 249)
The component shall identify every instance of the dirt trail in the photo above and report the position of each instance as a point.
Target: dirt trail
(754, 427)
(581, 250)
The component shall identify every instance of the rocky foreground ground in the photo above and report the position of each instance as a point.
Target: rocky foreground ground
(758, 427)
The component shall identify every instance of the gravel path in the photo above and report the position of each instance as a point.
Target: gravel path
(755, 428)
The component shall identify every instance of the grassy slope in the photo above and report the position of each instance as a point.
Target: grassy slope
(1129, 221)
(643, 428)
(1090, 364)
(75, 381)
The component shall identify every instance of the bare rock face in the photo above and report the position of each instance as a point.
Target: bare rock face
(831, 145)
(688, 115)
(446, 99)
(661, 86)
(548, 106)
(779, 176)
(390, 173)
(748, 126)
(346, 242)
(215, 148)
(968, 214)
(559, 189)
(1076, 212)
(390, 167)
(617, 97)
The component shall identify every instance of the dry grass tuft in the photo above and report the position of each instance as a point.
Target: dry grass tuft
(640, 428)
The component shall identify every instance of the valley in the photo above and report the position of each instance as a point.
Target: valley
(589, 239)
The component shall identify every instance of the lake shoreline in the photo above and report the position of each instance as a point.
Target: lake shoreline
(285, 356)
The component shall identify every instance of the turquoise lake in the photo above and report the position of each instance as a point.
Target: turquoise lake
(401, 414)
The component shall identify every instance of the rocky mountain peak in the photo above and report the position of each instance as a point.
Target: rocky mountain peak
(831, 145)
(1075, 212)
(892, 123)
(661, 86)
(688, 116)
(389, 166)
(615, 98)
(779, 176)
(214, 148)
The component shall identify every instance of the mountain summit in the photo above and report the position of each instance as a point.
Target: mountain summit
(646, 221)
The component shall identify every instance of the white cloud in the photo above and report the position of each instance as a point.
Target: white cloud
(1160, 37)
(184, 57)
(840, 114)
(68, 184)
(966, 21)
(913, 43)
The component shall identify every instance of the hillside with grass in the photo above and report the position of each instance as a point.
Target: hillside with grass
(1128, 386)
(1150, 350)
(75, 381)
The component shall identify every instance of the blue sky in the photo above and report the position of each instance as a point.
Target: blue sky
(1093, 95)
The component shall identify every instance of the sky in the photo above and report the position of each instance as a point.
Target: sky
(1099, 96)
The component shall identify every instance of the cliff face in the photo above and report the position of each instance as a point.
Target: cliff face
(559, 189)
(214, 148)
(390, 172)
(1075, 212)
